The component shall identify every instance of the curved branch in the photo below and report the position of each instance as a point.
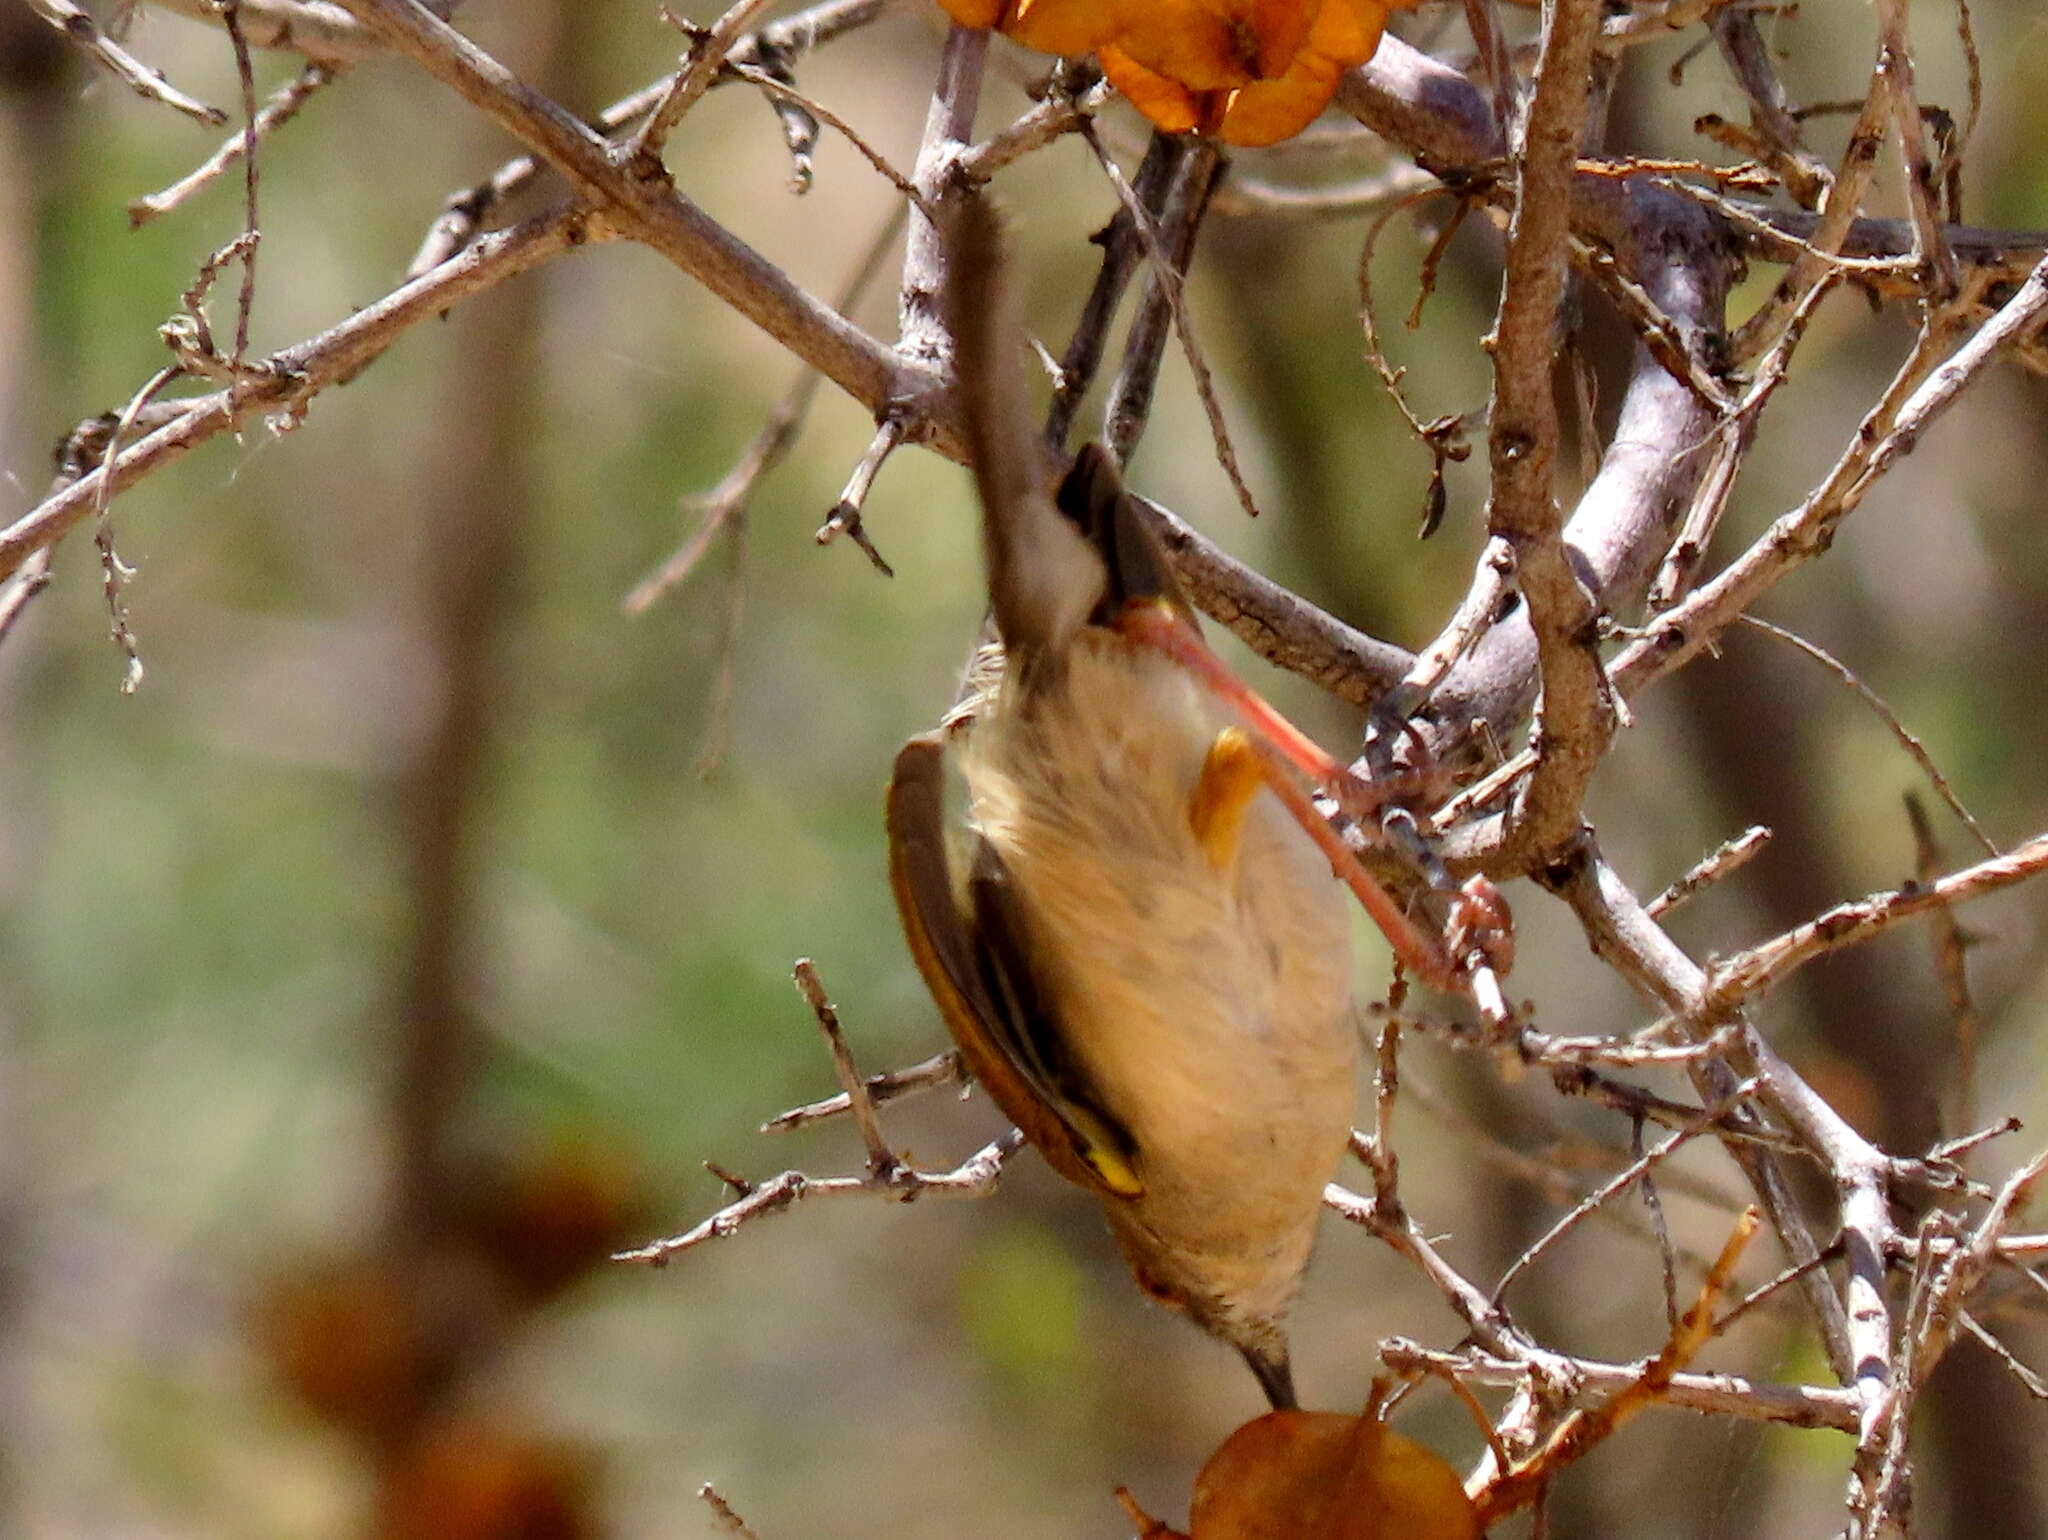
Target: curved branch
(286, 381)
(637, 198)
(1679, 256)
(1275, 622)
(1522, 442)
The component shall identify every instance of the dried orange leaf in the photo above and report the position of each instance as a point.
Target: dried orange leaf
(1328, 1476)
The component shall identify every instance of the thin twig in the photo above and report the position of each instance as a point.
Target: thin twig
(1169, 280)
(1619, 1183)
(77, 24)
(882, 1161)
(23, 587)
(728, 500)
(1725, 860)
(252, 230)
(1121, 253)
(974, 1177)
(1195, 172)
(114, 573)
(1952, 967)
(845, 516)
(1729, 1395)
(1914, 748)
(722, 1514)
(1762, 968)
(708, 49)
(1840, 197)
(941, 1069)
(282, 107)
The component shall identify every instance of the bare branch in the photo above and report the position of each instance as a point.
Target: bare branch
(974, 1177)
(1729, 1395)
(291, 377)
(282, 107)
(1890, 429)
(322, 31)
(77, 24)
(639, 201)
(1763, 967)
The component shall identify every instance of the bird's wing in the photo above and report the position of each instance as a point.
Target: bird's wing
(978, 974)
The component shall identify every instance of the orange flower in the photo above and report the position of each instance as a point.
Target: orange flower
(1250, 71)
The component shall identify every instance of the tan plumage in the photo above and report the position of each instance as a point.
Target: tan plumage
(1146, 961)
(1209, 1008)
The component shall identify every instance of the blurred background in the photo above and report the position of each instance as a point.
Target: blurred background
(409, 939)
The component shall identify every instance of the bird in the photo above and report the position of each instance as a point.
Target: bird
(1141, 951)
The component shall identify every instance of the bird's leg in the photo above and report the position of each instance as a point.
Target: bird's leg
(1268, 750)
(1160, 626)
(1421, 953)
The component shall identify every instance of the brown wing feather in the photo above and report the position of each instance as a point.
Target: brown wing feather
(1077, 1141)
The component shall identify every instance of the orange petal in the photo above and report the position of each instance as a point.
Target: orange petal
(1170, 105)
(1070, 27)
(1268, 111)
(1212, 45)
(1282, 27)
(974, 13)
(1345, 33)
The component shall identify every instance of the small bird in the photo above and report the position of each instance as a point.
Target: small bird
(1145, 959)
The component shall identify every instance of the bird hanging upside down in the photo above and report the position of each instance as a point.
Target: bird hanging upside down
(1146, 959)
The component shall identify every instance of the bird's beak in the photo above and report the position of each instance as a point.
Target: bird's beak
(1274, 1373)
